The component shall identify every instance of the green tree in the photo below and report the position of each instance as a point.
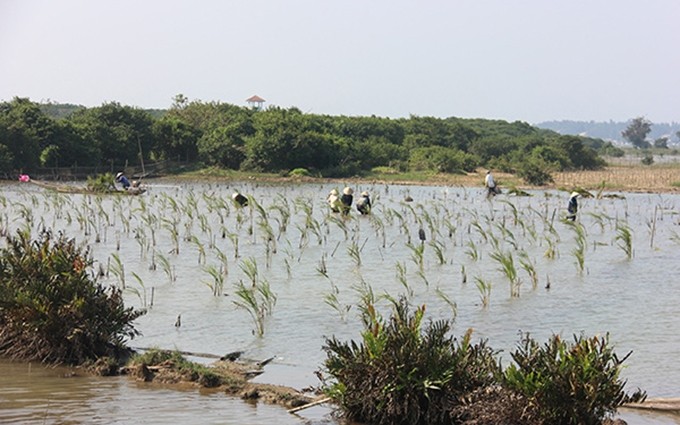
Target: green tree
(285, 139)
(637, 131)
(580, 156)
(661, 142)
(223, 146)
(487, 148)
(610, 150)
(175, 139)
(26, 132)
(441, 159)
(117, 132)
(6, 157)
(535, 171)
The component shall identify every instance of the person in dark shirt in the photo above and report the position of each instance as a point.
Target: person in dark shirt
(346, 200)
(572, 207)
(364, 203)
(120, 178)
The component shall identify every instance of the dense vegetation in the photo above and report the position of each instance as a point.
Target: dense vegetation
(52, 310)
(402, 372)
(278, 140)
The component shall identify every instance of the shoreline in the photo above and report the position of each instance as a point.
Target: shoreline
(634, 179)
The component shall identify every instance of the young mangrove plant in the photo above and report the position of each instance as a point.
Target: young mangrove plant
(579, 251)
(331, 299)
(354, 253)
(417, 254)
(624, 238)
(484, 289)
(529, 267)
(139, 292)
(438, 248)
(249, 268)
(258, 300)
(449, 302)
(168, 268)
(507, 263)
(218, 275)
(118, 270)
(401, 277)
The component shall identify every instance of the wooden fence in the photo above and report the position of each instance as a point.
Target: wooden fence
(81, 173)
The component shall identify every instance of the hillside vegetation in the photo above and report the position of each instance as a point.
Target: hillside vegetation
(280, 140)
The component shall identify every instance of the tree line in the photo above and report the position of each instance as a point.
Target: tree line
(280, 140)
(658, 134)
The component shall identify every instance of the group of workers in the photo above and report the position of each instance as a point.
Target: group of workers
(343, 203)
(493, 190)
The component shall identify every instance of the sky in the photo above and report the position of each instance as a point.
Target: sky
(526, 60)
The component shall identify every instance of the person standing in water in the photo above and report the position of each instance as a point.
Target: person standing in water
(364, 203)
(572, 207)
(333, 200)
(490, 183)
(346, 200)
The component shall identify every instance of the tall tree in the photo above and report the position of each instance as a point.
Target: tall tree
(637, 131)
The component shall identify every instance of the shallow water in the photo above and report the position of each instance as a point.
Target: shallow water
(634, 300)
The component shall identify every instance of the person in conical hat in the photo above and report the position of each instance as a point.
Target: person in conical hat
(572, 207)
(239, 199)
(346, 200)
(333, 200)
(120, 178)
(364, 203)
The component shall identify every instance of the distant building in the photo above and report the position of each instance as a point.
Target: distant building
(255, 102)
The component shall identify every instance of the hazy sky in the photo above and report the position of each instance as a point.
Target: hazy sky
(532, 60)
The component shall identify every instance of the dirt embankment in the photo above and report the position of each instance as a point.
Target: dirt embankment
(657, 178)
(230, 376)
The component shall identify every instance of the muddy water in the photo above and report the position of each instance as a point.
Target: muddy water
(634, 300)
(35, 394)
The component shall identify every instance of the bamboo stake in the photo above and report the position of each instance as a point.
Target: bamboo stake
(308, 405)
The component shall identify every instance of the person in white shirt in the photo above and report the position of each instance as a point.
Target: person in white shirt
(490, 184)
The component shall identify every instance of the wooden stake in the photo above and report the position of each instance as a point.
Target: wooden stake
(308, 405)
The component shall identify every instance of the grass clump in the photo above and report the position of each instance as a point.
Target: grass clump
(405, 372)
(52, 310)
(570, 383)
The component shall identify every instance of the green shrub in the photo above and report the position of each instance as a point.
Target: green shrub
(403, 374)
(102, 183)
(442, 160)
(648, 159)
(52, 310)
(535, 171)
(574, 383)
(299, 172)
